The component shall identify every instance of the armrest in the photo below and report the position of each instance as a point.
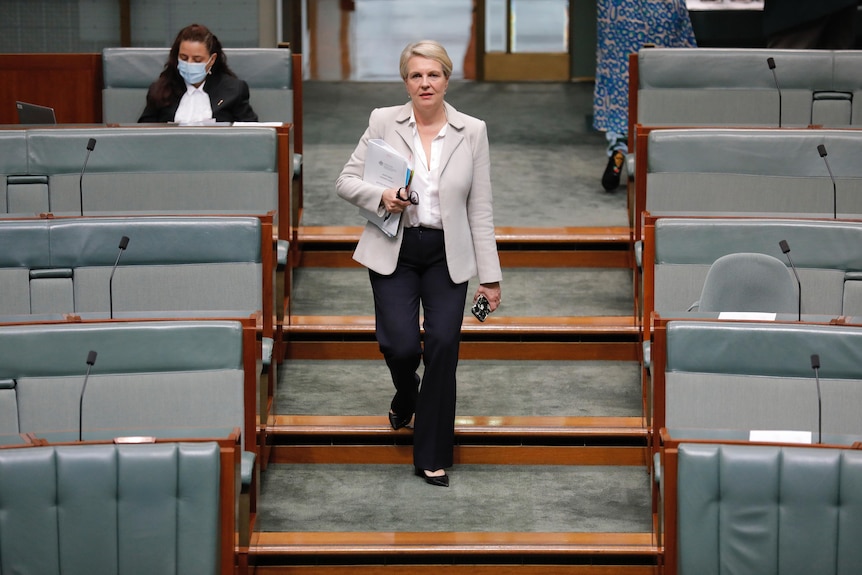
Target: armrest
(282, 247)
(297, 165)
(267, 345)
(246, 469)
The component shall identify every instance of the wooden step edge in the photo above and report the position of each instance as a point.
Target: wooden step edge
(544, 325)
(472, 426)
(504, 234)
(452, 543)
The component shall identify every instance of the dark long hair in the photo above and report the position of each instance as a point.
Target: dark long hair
(170, 86)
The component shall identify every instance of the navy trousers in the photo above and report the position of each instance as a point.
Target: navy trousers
(422, 277)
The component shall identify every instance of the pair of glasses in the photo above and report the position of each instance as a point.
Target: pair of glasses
(409, 196)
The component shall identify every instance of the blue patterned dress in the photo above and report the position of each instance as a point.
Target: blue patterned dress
(623, 27)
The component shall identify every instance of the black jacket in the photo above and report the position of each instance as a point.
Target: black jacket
(228, 98)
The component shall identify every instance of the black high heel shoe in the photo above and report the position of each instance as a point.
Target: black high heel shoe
(439, 481)
(397, 421)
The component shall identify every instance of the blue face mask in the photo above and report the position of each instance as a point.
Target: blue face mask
(192, 72)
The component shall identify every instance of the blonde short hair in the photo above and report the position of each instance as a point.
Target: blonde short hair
(430, 49)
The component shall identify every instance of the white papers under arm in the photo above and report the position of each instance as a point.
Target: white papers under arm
(384, 167)
(388, 222)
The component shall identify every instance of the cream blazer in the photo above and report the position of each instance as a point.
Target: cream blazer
(465, 195)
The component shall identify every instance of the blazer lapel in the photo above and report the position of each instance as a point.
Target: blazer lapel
(454, 136)
(403, 129)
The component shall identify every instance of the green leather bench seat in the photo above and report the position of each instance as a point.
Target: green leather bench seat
(826, 255)
(753, 172)
(171, 265)
(749, 509)
(131, 509)
(147, 375)
(161, 170)
(750, 375)
(128, 73)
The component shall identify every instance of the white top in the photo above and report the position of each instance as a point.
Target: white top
(194, 106)
(426, 182)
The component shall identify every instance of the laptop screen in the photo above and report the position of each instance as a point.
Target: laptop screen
(34, 114)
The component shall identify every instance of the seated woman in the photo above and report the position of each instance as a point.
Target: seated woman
(196, 85)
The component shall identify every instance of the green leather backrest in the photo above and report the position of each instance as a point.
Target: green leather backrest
(764, 349)
(119, 509)
(785, 153)
(55, 350)
(748, 509)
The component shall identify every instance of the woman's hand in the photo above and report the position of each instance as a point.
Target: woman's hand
(391, 203)
(491, 292)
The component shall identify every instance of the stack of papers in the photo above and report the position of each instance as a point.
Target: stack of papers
(384, 166)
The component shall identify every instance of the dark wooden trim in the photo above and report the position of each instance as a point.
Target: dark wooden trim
(125, 23)
(35, 78)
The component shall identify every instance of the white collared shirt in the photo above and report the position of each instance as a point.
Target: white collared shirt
(194, 106)
(426, 181)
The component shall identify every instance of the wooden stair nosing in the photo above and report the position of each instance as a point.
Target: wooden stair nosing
(504, 234)
(462, 544)
(473, 426)
(539, 325)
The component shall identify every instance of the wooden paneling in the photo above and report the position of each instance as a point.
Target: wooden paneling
(69, 83)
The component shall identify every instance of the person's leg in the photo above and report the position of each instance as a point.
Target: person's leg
(443, 305)
(396, 310)
(617, 150)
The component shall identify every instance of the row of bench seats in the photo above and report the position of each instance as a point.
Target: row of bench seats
(735, 87)
(161, 378)
(173, 266)
(693, 195)
(151, 378)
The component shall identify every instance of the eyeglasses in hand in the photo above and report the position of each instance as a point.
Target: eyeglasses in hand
(409, 196)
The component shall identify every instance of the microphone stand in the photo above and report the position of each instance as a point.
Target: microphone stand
(124, 242)
(821, 149)
(785, 248)
(771, 63)
(91, 359)
(815, 365)
(91, 145)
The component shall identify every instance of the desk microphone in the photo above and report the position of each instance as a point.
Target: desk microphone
(786, 250)
(771, 63)
(124, 242)
(91, 359)
(815, 365)
(91, 145)
(821, 149)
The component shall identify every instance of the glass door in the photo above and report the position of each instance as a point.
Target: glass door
(523, 40)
